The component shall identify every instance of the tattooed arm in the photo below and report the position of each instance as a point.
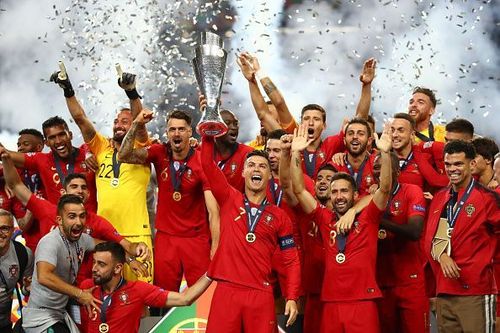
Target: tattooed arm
(127, 152)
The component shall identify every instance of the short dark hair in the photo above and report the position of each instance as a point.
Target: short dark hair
(426, 91)
(276, 134)
(371, 120)
(459, 146)
(31, 131)
(460, 125)
(178, 114)
(116, 250)
(362, 122)
(347, 177)
(68, 199)
(53, 122)
(72, 176)
(405, 116)
(314, 107)
(328, 167)
(258, 152)
(486, 147)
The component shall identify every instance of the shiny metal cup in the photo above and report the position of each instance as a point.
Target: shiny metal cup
(209, 65)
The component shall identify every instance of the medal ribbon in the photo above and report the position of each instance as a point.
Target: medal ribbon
(359, 176)
(252, 219)
(176, 175)
(431, 134)
(310, 163)
(32, 185)
(405, 162)
(73, 267)
(393, 194)
(453, 215)
(341, 241)
(106, 301)
(71, 164)
(116, 165)
(222, 164)
(277, 197)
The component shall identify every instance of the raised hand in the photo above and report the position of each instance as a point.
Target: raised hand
(384, 143)
(245, 64)
(368, 72)
(62, 79)
(300, 140)
(127, 81)
(286, 142)
(144, 116)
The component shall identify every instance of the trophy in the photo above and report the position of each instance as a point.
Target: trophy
(209, 65)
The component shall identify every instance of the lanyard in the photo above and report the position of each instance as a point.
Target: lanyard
(252, 219)
(70, 165)
(176, 175)
(357, 176)
(453, 215)
(222, 164)
(73, 268)
(106, 300)
(431, 134)
(310, 162)
(116, 166)
(403, 164)
(277, 197)
(393, 194)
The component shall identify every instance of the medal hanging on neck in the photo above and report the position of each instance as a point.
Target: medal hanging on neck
(431, 134)
(359, 175)
(382, 233)
(276, 191)
(176, 173)
(106, 302)
(310, 162)
(70, 165)
(116, 171)
(253, 218)
(452, 214)
(341, 244)
(404, 163)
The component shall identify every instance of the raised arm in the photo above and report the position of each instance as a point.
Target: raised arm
(189, 295)
(213, 220)
(381, 196)
(259, 104)
(17, 158)
(366, 78)
(284, 171)
(12, 179)
(127, 81)
(218, 183)
(431, 176)
(127, 152)
(299, 143)
(74, 107)
(412, 230)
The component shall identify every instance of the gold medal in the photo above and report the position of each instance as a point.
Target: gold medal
(115, 182)
(250, 237)
(382, 234)
(103, 328)
(177, 196)
(340, 258)
(449, 232)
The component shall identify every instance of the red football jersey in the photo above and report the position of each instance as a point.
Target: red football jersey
(400, 261)
(354, 279)
(232, 166)
(95, 226)
(435, 151)
(323, 155)
(45, 165)
(126, 307)
(241, 262)
(186, 217)
(473, 241)
(418, 170)
(365, 179)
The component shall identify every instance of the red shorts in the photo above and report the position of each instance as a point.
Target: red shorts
(175, 256)
(351, 317)
(241, 309)
(404, 309)
(312, 313)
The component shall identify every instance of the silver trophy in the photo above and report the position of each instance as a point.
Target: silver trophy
(209, 66)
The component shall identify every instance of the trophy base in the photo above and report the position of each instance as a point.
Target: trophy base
(211, 128)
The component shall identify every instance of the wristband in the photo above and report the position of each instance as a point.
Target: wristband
(69, 92)
(260, 74)
(133, 94)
